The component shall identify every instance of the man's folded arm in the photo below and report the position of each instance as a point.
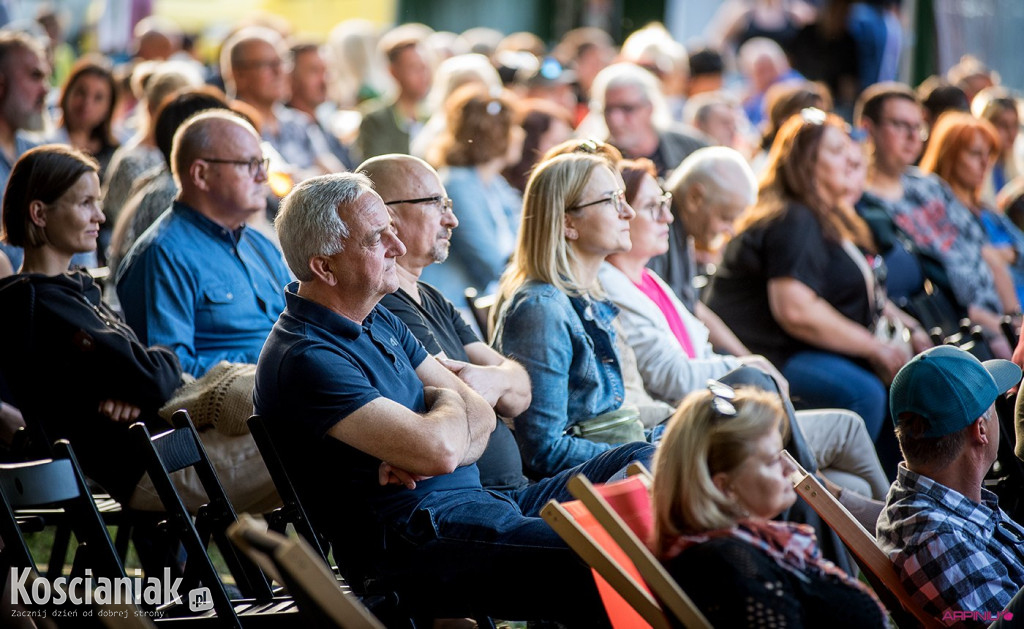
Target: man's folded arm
(452, 432)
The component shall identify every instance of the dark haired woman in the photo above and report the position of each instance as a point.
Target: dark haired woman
(794, 286)
(87, 102)
(73, 366)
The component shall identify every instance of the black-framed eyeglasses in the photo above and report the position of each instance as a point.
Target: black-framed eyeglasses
(445, 202)
(659, 208)
(617, 199)
(254, 164)
(722, 396)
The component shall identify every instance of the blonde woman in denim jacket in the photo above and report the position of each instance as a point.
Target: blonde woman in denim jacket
(553, 318)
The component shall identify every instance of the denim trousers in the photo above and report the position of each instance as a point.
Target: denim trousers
(826, 380)
(472, 552)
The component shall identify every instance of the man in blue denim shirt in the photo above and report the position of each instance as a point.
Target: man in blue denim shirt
(382, 440)
(199, 281)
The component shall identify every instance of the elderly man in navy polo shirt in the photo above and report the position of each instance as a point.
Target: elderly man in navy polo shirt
(382, 439)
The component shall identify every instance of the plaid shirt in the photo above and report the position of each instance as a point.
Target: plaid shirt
(298, 139)
(951, 553)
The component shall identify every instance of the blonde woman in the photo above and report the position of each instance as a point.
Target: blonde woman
(552, 318)
(719, 479)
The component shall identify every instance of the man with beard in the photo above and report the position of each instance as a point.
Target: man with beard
(24, 75)
(424, 219)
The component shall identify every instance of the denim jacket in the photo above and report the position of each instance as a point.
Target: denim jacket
(567, 345)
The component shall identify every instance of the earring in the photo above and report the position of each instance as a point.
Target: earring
(571, 234)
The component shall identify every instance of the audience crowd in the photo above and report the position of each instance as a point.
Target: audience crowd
(649, 228)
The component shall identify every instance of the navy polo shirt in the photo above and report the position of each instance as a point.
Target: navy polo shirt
(317, 368)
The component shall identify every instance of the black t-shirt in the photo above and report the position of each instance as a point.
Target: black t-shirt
(440, 327)
(790, 246)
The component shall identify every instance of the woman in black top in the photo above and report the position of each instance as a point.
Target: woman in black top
(73, 368)
(794, 286)
(719, 478)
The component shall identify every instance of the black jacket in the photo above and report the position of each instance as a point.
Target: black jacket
(63, 352)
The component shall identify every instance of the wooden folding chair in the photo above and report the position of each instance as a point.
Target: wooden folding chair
(178, 449)
(626, 598)
(875, 564)
(623, 509)
(324, 602)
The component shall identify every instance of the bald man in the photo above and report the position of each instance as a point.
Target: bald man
(424, 218)
(199, 281)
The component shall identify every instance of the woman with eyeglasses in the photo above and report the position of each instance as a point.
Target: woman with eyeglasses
(719, 478)
(482, 138)
(795, 286)
(673, 354)
(552, 317)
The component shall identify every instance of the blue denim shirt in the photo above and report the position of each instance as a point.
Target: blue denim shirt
(206, 292)
(567, 345)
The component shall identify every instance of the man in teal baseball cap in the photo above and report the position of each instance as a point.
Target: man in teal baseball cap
(955, 550)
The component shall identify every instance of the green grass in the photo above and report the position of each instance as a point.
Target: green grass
(40, 545)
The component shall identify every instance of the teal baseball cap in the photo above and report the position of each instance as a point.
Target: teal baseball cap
(949, 387)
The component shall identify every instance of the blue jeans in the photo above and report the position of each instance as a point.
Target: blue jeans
(480, 551)
(825, 380)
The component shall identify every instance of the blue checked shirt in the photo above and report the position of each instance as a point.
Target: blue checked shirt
(951, 553)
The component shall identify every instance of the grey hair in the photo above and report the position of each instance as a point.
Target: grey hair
(11, 40)
(629, 74)
(718, 168)
(309, 223)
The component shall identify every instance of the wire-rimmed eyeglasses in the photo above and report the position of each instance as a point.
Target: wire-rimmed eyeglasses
(617, 199)
(659, 207)
(254, 164)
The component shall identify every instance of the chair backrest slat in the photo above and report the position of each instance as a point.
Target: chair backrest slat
(880, 571)
(292, 505)
(56, 482)
(321, 598)
(654, 574)
(38, 483)
(574, 524)
(176, 448)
